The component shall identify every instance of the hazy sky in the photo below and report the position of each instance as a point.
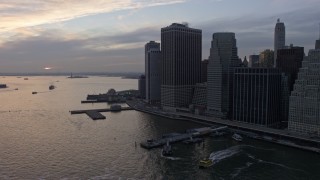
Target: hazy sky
(109, 35)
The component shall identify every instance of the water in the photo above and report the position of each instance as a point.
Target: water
(39, 139)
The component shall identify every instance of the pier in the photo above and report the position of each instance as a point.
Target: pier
(279, 136)
(95, 114)
(176, 137)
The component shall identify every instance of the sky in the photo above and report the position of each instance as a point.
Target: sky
(109, 35)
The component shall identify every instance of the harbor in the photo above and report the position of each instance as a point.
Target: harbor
(276, 136)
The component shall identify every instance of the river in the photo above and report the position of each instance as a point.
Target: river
(39, 139)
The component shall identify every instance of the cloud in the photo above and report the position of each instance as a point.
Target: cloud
(54, 48)
(15, 14)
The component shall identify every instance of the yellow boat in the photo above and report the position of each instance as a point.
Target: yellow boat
(205, 163)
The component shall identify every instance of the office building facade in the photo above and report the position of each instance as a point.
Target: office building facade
(155, 47)
(222, 61)
(153, 72)
(304, 104)
(204, 70)
(289, 61)
(256, 98)
(253, 61)
(181, 48)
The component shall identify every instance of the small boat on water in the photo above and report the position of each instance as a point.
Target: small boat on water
(167, 150)
(237, 137)
(51, 87)
(205, 163)
(34, 92)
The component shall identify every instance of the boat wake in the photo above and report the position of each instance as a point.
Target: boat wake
(223, 154)
(171, 158)
(240, 169)
(275, 164)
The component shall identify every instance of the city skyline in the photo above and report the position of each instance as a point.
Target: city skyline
(109, 35)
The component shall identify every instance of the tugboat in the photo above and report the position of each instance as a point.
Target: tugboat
(237, 137)
(167, 151)
(205, 163)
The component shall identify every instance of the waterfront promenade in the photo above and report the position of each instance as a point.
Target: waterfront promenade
(279, 134)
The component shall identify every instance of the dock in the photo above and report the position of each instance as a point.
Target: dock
(95, 114)
(176, 137)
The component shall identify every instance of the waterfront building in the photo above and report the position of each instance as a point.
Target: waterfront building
(304, 104)
(222, 61)
(153, 72)
(204, 70)
(256, 97)
(181, 48)
(279, 38)
(266, 58)
(289, 61)
(253, 61)
(142, 86)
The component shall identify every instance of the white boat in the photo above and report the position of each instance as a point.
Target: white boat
(237, 137)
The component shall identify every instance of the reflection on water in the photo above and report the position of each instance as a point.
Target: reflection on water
(40, 139)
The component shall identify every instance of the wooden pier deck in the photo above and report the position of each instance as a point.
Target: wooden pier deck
(95, 114)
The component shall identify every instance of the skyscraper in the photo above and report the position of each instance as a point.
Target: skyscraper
(304, 104)
(150, 45)
(317, 46)
(204, 70)
(279, 38)
(253, 61)
(289, 60)
(153, 71)
(222, 61)
(181, 64)
(245, 62)
(256, 96)
(142, 86)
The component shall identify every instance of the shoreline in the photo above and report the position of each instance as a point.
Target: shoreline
(275, 136)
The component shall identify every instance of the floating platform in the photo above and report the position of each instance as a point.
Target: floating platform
(149, 144)
(96, 113)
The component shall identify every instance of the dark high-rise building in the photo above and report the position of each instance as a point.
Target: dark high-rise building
(279, 38)
(142, 86)
(289, 61)
(222, 61)
(181, 48)
(204, 70)
(153, 72)
(256, 97)
(253, 61)
(317, 44)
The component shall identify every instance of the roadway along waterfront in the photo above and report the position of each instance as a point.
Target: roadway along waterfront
(279, 136)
